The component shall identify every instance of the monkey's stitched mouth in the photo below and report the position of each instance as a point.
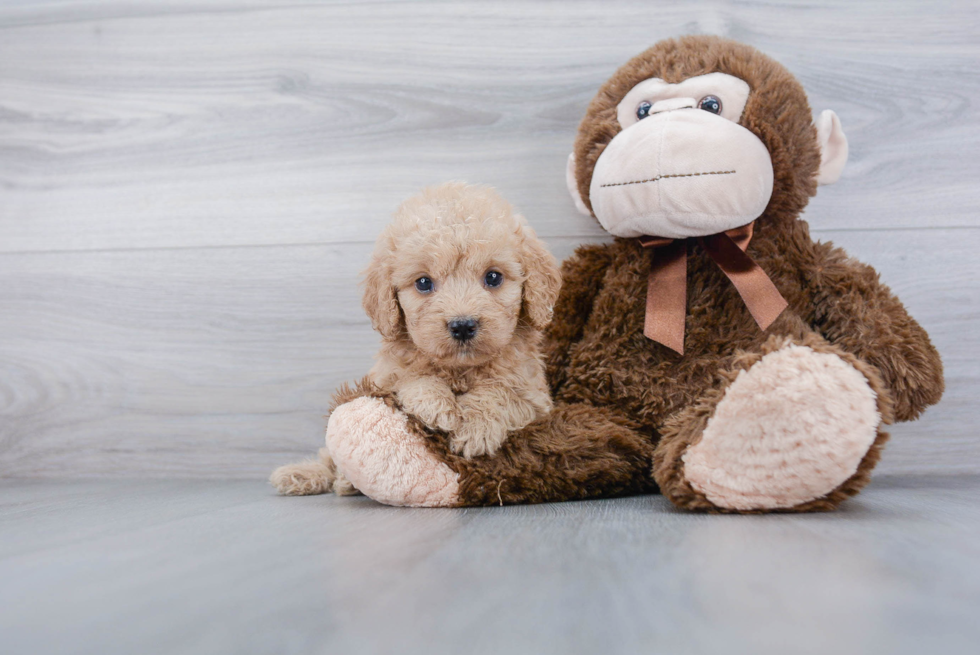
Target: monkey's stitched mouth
(663, 177)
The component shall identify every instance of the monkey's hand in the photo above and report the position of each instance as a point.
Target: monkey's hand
(430, 400)
(852, 309)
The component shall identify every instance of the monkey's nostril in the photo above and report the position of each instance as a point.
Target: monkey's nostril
(463, 329)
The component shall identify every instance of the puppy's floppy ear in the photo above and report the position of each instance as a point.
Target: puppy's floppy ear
(543, 278)
(380, 300)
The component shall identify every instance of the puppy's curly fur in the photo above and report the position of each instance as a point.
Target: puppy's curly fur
(453, 236)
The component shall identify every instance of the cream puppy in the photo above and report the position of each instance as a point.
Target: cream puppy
(460, 288)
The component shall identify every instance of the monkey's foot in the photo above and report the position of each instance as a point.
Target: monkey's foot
(791, 429)
(373, 447)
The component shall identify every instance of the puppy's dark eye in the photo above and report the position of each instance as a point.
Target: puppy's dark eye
(493, 278)
(643, 110)
(423, 284)
(710, 103)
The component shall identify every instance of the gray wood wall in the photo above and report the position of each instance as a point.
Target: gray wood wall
(189, 190)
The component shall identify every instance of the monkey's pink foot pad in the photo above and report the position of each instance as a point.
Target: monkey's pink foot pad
(373, 447)
(791, 428)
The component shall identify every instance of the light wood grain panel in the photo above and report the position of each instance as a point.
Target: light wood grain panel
(220, 362)
(203, 354)
(187, 191)
(178, 124)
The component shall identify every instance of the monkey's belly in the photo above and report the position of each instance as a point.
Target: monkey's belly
(614, 364)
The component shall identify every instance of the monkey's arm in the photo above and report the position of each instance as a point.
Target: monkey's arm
(581, 280)
(853, 309)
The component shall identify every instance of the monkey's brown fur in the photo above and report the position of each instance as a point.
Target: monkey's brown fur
(628, 408)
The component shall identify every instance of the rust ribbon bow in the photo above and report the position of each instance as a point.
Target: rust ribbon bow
(667, 286)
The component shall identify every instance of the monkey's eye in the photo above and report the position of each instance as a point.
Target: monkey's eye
(643, 110)
(710, 103)
(423, 284)
(493, 278)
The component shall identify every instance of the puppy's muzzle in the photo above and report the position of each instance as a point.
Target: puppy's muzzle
(463, 329)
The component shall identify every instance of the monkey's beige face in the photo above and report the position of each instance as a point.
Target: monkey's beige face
(683, 139)
(681, 165)
(461, 301)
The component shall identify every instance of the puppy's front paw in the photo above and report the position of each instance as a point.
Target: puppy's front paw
(477, 437)
(446, 419)
(432, 402)
(437, 412)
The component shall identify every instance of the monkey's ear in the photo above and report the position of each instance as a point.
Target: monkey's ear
(833, 147)
(573, 186)
(543, 279)
(380, 301)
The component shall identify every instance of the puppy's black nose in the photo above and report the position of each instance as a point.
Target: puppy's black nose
(463, 329)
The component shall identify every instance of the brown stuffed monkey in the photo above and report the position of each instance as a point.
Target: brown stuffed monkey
(713, 350)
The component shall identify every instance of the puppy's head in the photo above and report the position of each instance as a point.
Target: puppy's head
(460, 275)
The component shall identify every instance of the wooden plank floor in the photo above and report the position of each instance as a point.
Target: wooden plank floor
(147, 567)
